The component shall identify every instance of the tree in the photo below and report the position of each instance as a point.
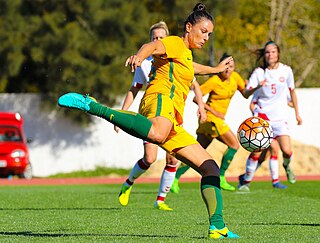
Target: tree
(294, 24)
(57, 46)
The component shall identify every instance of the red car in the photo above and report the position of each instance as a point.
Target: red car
(14, 154)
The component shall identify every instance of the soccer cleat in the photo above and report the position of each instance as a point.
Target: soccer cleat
(124, 195)
(162, 206)
(74, 100)
(244, 188)
(215, 233)
(225, 185)
(290, 175)
(278, 185)
(175, 186)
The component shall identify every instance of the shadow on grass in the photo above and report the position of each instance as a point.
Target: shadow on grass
(289, 224)
(32, 234)
(43, 209)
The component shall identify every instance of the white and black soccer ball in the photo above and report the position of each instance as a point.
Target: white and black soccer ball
(255, 134)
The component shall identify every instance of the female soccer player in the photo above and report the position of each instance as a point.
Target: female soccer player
(270, 82)
(157, 31)
(221, 89)
(141, 76)
(161, 109)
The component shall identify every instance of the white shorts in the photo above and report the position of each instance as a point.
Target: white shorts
(280, 128)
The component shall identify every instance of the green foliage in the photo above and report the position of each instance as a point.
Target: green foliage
(91, 213)
(56, 46)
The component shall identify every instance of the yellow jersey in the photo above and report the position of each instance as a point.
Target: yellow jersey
(221, 92)
(172, 74)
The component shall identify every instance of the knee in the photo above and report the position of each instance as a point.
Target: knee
(156, 136)
(149, 158)
(170, 160)
(234, 147)
(209, 168)
(287, 153)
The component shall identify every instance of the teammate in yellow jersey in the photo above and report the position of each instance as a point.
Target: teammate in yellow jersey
(221, 89)
(161, 109)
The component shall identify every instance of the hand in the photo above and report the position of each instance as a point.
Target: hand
(299, 119)
(223, 65)
(202, 115)
(133, 61)
(263, 83)
(117, 129)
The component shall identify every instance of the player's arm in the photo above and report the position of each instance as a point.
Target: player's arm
(295, 105)
(198, 97)
(247, 92)
(151, 48)
(251, 106)
(256, 81)
(203, 69)
(131, 95)
(208, 108)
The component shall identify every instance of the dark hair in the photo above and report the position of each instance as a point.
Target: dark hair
(199, 12)
(224, 56)
(260, 53)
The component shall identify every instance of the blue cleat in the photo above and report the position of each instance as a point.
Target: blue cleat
(215, 233)
(278, 185)
(77, 101)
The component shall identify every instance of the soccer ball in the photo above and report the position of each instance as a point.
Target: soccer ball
(255, 134)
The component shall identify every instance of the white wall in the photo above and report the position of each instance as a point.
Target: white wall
(61, 146)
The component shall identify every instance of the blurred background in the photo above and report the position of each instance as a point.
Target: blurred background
(50, 47)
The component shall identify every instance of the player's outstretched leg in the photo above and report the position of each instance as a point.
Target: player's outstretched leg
(130, 122)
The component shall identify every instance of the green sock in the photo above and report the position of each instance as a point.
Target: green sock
(181, 170)
(286, 160)
(226, 160)
(130, 122)
(212, 197)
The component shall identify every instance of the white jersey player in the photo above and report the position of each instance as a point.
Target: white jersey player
(272, 99)
(274, 93)
(141, 75)
(270, 84)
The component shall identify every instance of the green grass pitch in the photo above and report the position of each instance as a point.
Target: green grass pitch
(91, 213)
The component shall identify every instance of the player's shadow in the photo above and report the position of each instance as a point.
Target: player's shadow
(143, 193)
(289, 224)
(34, 234)
(59, 209)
